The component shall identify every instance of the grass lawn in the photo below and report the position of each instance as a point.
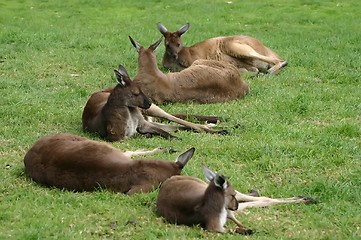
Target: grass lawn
(297, 134)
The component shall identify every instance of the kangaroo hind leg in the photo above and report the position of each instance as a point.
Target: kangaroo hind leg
(156, 111)
(244, 51)
(248, 201)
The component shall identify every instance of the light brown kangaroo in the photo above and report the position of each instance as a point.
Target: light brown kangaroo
(206, 81)
(188, 200)
(115, 113)
(246, 53)
(76, 163)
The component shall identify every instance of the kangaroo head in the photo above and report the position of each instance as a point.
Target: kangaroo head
(222, 183)
(146, 55)
(173, 42)
(128, 92)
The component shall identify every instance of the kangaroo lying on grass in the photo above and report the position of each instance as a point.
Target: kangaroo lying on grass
(79, 164)
(246, 53)
(115, 113)
(206, 81)
(190, 201)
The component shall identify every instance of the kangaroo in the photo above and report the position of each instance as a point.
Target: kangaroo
(206, 81)
(115, 114)
(76, 163)
(246, 53)
(189, 201)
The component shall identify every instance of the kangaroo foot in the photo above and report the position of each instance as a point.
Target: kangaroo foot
(309, 200)
(276, 68)
(254, 193)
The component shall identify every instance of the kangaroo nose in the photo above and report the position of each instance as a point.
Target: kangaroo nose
(175, 56)
(147, 103)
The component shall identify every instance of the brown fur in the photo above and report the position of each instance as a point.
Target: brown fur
(76, 163)
(248, 54)
(190, 201)
(206, 81)
(114, 113)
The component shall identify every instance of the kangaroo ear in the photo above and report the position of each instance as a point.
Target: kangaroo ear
(184, 157)
(162, 29)
(208, 173)
(135, 44)
(123, 71)
(183, 29)
(156, 44)
(122, 75)
(221, 181)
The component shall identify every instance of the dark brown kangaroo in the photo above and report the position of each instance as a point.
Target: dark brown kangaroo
(79, 164)
(246, 53)
(188, 200)
(114, 113)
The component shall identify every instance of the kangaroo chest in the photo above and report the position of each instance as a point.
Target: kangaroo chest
(132, 122)
(223, 218)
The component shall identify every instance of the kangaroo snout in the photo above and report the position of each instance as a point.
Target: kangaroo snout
(233, 204)
(175, 56)
(146, 103)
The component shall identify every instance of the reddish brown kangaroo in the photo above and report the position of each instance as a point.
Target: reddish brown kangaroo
(248, 54)
(206, 81)
(76, 163)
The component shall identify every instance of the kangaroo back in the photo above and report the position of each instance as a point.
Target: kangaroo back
(76, 163)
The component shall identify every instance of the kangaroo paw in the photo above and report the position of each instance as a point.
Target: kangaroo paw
(244, 231)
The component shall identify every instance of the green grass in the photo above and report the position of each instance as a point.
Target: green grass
(297, 134)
